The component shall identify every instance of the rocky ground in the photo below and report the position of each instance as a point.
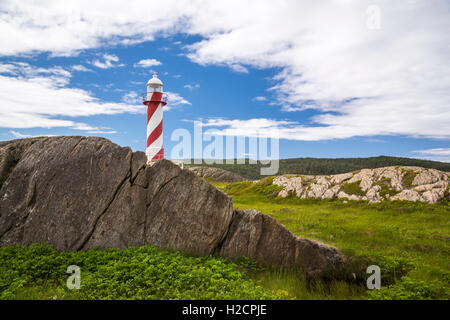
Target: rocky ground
(216, 174)
(374, 185)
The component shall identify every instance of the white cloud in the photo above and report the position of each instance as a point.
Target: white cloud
(19, 135)
(238, 68)
(174, 99)
(192, 87)
(102, 132)
(37, 97)
(435, 152)
(147, 63)
(109, 61)
(282, 129)
(132, 97)
(81, 68)
(259, 98)
(389, 81)
(55, 75)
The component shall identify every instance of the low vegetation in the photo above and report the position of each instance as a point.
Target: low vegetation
(386, 189)
(39, 272)
(409, 241)
(408, 178)
(353, 188)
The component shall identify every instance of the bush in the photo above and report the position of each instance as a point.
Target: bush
(39, 272)
(408, 178)
(412, 289)
(353, 188)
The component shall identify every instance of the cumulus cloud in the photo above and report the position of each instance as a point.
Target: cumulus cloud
(38, 97)
(109, 61)
(389, 81)
(361, 81)
(147, 63)
(132, 97)
(262, 127)
(55, 75)
(174, 100)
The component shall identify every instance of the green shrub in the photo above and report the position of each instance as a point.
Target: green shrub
(39, 272)
(386, 189)
(408, 178)
(412, 289)
(353, 188)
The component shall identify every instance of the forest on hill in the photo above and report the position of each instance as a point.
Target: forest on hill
(326, 166)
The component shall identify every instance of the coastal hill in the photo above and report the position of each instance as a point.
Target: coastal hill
(324, 166)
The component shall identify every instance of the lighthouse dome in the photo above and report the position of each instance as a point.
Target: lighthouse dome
(154, 82)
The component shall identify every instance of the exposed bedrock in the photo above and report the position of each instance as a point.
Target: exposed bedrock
(76, 193)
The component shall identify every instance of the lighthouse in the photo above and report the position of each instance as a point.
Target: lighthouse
(155, 100)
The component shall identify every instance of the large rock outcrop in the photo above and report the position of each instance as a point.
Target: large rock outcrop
(262, 238)
(216, 174)
(76, 193)
(374, 185)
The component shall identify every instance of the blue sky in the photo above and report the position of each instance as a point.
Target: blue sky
(328, 87)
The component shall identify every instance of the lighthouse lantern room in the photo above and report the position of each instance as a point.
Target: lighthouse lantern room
(155, 100)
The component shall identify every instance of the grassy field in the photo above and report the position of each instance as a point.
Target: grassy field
(409, 241)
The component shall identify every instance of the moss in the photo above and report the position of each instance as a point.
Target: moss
(353, 188)
(386, 189)
(408, 178)
(264, 186)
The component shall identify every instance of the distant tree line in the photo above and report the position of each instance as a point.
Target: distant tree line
(325, 166)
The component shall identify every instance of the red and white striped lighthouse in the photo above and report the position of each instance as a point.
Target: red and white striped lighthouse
(155, 102)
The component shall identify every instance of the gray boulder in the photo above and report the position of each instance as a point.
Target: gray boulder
(263, 239)
(76, 193)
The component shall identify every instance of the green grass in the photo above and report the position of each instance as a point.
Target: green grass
(409, 241)
(408, 178)
(386, 189)
(353, 188)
